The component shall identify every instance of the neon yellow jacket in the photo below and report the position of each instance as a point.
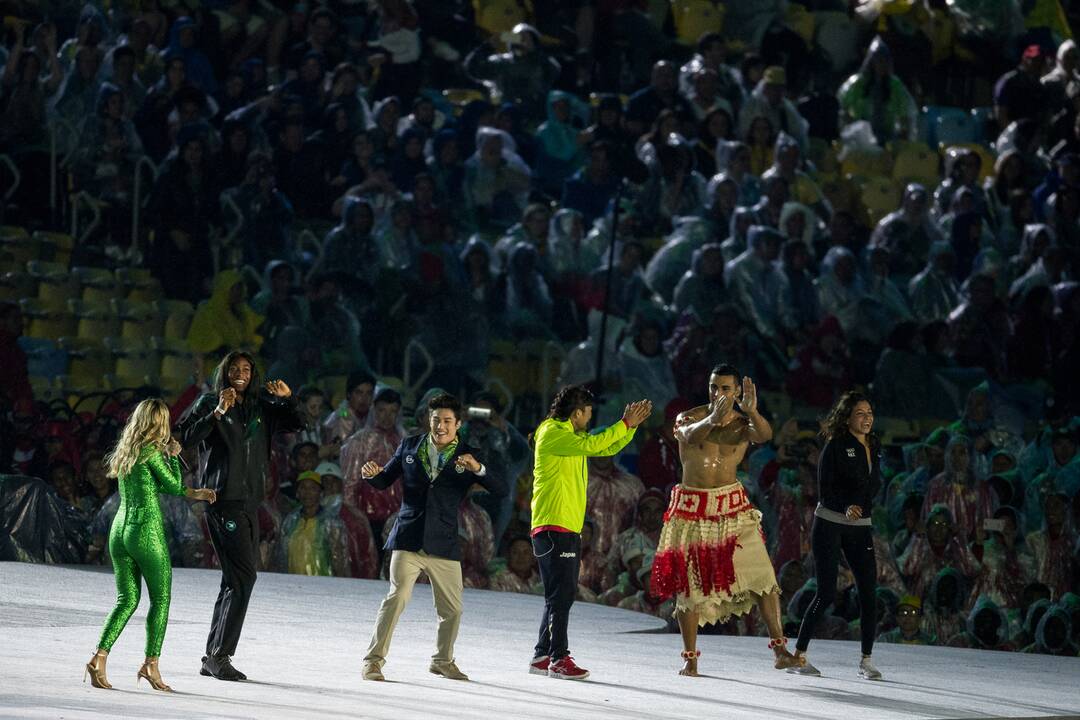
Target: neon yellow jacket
(560, 472)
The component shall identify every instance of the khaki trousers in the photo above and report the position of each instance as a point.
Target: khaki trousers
(445, 577)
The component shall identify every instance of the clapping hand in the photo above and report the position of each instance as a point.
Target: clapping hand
(278, 388)
(637, 412)
(226, 400)
(370, 469)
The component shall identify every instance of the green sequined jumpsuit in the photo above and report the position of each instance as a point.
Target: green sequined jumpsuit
(139, 550)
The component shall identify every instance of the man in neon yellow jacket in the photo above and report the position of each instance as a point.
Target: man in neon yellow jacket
(560, 478)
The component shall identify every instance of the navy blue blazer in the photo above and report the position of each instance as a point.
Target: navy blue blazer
(428, 518)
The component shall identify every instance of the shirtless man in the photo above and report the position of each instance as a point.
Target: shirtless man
(711, 555)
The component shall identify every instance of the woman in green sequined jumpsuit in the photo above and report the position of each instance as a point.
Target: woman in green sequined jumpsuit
(145, 461)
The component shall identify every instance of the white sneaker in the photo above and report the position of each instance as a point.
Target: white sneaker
(372, 671)
(804, 668)
(868, 671)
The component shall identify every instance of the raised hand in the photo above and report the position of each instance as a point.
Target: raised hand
(637, 412)
(371, 468)
(278, 388)
(748, 403)
(467, 461)
(226, 400)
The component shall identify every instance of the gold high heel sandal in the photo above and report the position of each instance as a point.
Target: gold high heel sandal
(149, 672)
(95, 669)
(690, 658)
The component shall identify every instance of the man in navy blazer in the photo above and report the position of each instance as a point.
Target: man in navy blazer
(437, 472)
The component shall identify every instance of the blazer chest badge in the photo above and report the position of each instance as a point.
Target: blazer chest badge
(851, 452)
(409, 460)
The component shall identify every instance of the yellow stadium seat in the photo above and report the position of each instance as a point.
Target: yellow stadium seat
(138, 321)
(841, 193)
(148, 292)
(98, 284)
(694, 18)
(916, 162)
(177, 314)
(986, 169)
(16, 285)
(498, 16)
(56, 245)
(867, 163)
(96, 320)
(17, 242)
(47, 320)
(88, 360)
(115, 381)
(13, 232)
(55, 284)
(44, 388)
(334, 388)
(880, 196)
(177, 361)
(133, 357)
(137, 280)
(72, 388)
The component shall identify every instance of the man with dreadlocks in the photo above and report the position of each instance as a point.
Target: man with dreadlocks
(711, 555)
(560, 479)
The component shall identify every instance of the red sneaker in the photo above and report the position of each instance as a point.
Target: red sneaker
(566, 669)
(539, 665)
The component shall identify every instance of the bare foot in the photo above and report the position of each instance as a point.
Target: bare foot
(784, 659)
(689, 667)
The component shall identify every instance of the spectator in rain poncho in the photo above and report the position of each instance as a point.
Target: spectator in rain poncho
(987, 628)
(1006, 563)
(903, 365)
(934, 292)
(265, 214)
(445, 167)
(733, 160)
(1056, 81)
(350, 247)
(396, 239)
(969, 502)
(409, 161)
(1053, 634)
(517, 573)
(591, 188)
(667, 266)
(798, 293)
(225, 321)
(334, 327)
(787, 163)
(908, 233)
(841, 289)
(674, 188)
(768, 100)
(889, 304)
(375, 442)
(775, 193)
(638, 541)
(936, 548)
(965, 229)
(909, 620)
(1029, 617)
(1037, 237)
(646, 368)
(701, 288)
(875, 94)
(711, 54)
(183, 38)
(528, 301)
(735, 243)
(187, 546)
(980, 328)
(78, 94)
(496, 182)
(1047, 271)
(560, 140)
(755, 284)
(627, 291)
(485, 295)
(822, 369)
(533, 229)
(612, 500)
(278, 301)
(477, 539)
(1053, 546)
(354, 410)
(721, 201)
(363, 558)
(943, 617)
(962, 168)
(522, 75)
(567, 255)
(798, 222)
(313, 542)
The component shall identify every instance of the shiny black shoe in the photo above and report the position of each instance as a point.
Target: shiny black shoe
(221, 667)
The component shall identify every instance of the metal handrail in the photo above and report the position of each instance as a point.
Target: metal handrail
(406, 372)
(15, 175)
(138, 203)
(94, 204)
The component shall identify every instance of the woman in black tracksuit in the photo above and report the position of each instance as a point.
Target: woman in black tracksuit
(849, 476)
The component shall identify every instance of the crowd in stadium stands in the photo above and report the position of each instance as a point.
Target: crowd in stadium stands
(795, 187)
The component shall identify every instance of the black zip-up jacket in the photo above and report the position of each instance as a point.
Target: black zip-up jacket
(843, 476)
(234, 452)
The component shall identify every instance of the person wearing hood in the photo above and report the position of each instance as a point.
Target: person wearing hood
(787, 163)
(183, 44)
(496, 182)
(561, 140)
(1053, 634)
(1050, 269)
(675, 188)
(225, 321)
(309, 88)
(1055, 82)
(334, 328)
(712, 53)
(702, 286)
(350, 247)
(735, 243)
(353, 413)
(798, 223)
(799, 296)
(528, 299)
(733, 159)
(301, 170)
(375, 442)
(904, 364)
(768, 100)
(841, 290)
(409, 161)
(876, 95)
(823, 367)
(522, 75)
(963, 167)
(775, 193)
(396, 239)
(674, 258)
(78, 93)
(934, 292)
(933, 549)
(265, 213)
(278, 301)
(484, 294)
(591, 188)
(969, 502)
(888, 303)
(662, 93)
(611, 499)
(980, 328)
(1053, 545)
(755, 284)
(1006, 563)
(721, 202)
(943, 617)
(645, 365)
(533, 229)
(908, 233)
(152, 118)
(716, 127)
(1030, 614)
(987, 628)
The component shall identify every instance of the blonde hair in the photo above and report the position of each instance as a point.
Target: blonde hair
(149, 425)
